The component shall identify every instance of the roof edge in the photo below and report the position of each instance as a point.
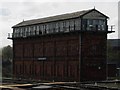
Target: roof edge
(97, 11)
(87, 11)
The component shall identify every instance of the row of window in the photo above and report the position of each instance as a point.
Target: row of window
(60, 26)
(94, 24)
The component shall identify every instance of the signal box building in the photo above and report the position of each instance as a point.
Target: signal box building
(67, 47)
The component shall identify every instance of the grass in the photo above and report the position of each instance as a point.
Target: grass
(113, 84)
(109, 85)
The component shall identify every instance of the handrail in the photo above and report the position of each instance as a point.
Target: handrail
(68, 29)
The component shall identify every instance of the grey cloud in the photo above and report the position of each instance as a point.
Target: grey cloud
(4, 12)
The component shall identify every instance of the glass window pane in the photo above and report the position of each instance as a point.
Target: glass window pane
(61, 26)
(84, 24)
(71, 25)
(40, 29)
(96, 24)
(77, 24)
(37, 30)
(29, 30)
(53, 27)
(57, 27)
(47, 28)
(67, 25)
(90, 24)
(64, 26)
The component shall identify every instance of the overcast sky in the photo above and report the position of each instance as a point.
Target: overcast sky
(12, 12)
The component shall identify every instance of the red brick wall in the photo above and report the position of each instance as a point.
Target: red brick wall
(64, 60)
(38, 49)
(94, 56)
(61, 53)
(19, 49)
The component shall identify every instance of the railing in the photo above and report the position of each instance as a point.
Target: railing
(49, 31)
(10, 35)
(58, 30)
(111, 27)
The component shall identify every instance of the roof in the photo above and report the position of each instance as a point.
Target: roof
(56, 18)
